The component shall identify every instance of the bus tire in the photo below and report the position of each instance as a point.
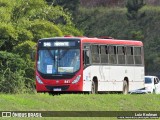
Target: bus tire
(125, 87)
(93, 88)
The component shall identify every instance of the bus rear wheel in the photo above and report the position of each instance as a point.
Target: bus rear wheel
(125, 87)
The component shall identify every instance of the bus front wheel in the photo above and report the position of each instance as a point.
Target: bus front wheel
(125, 87)
(93, 88)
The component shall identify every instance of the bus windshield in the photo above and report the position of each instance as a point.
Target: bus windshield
(58, 61)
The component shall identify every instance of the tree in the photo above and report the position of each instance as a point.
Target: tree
(72, 6)
(12, 73)
(30, 20)
(8, 36)
(133, 7)
(135, 17)
(22, 23)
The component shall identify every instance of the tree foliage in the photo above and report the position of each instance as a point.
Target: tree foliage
(133, 7)
(22, 23)
(8, 36)
(31, 20)
(12, 73)
(70, 5)
(25, 49)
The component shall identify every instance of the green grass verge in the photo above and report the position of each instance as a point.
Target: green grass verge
(79, 102)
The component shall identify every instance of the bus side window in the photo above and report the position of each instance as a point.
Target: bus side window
(104, 54)
(95, 54)
(121, 54)
(85, 57)
(129, 55)
(112, 55)
(137, 55)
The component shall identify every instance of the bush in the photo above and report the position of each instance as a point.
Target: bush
(12, 74)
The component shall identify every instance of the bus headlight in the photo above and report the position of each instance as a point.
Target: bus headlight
(39, 80)
(77, 79)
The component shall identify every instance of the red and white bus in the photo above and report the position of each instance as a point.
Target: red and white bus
(81, 64)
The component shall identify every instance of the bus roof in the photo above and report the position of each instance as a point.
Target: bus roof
(113, 41)
(98, 40)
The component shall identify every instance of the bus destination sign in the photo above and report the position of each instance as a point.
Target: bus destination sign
(59, 44)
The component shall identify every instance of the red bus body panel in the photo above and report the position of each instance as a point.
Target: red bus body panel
(77, 87)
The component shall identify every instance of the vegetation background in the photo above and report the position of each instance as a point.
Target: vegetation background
(23, 22)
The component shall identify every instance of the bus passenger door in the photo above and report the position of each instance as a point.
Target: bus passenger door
(86, 69)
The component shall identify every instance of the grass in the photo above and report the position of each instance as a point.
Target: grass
(79, 102)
